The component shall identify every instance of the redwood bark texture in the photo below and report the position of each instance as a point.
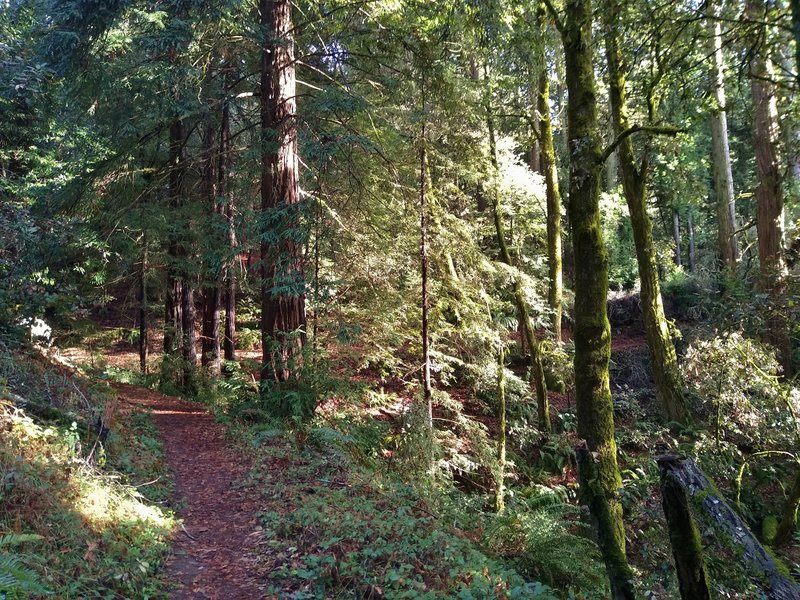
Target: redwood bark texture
(229, 266)
(769, 192)
(212, 296)
(173, 318)
(283, 315)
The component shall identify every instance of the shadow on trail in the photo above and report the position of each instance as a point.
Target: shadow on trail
(214, 554)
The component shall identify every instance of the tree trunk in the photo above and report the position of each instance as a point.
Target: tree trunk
(427, 389)
(612, 165)
(788, 523)
(592, 334)
(229, 270)
(283, 315)
(663, 358)
(189, 344)
(676, 234)
(173, 319)
(535, 157)
(144, 342)
(690, 233)
(760, 564)
(211, 328)
(796, 34)
(769, 193)
(499, 496)
(721, 155)
(173, 316)
(532, 342)
(687, 547)
(230, 316)
(212, 305)
(555, 290)
(605, 519)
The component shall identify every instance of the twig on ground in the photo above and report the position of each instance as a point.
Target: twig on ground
(189, 535)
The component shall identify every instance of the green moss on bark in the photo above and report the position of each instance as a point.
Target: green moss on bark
(663, 358)
(592, 334)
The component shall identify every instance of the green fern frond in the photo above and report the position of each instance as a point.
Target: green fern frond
(15, 576)
(15, 539)
(538, 532)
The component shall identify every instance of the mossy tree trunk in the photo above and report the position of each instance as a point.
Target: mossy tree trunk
(663, 358)
(788, 523)
(532, 342)
(766, 572)
(769, 193)
(687, 548)
(592, 335)
(555, 292)
(499, 495)
(604, 518)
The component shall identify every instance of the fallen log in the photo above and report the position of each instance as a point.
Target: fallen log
(759, 563)
(687, 548)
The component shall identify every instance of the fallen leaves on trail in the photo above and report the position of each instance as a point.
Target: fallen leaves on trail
(214, 557)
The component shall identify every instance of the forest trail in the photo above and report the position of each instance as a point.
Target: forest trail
(214, 556)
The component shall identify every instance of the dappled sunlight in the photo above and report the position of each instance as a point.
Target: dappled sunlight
(103, 505)
(74, 493)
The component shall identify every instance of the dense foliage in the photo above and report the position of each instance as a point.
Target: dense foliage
(333, 223)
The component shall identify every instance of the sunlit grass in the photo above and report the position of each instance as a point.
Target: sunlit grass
(99, 536)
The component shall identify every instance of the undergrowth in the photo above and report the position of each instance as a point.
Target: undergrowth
(69, 502)
(342, 533)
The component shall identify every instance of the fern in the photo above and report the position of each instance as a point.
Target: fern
(15, 576)
(541, 536)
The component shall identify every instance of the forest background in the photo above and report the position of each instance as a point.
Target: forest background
(503, 252)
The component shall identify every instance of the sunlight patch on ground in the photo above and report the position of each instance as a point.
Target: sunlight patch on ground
(100, 504)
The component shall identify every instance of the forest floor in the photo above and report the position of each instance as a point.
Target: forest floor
(214, 554)
(249, 507)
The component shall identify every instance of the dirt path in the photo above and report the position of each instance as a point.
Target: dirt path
(214, 556)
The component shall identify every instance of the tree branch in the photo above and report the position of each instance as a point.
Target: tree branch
(556, 17)
(656, 130)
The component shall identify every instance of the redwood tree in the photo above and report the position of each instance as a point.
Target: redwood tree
(283, 314)
(720, 153)
(769, 193)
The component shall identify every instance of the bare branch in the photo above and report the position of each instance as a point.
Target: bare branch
(652, 129)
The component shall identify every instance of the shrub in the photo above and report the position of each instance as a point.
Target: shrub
(540, 535)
